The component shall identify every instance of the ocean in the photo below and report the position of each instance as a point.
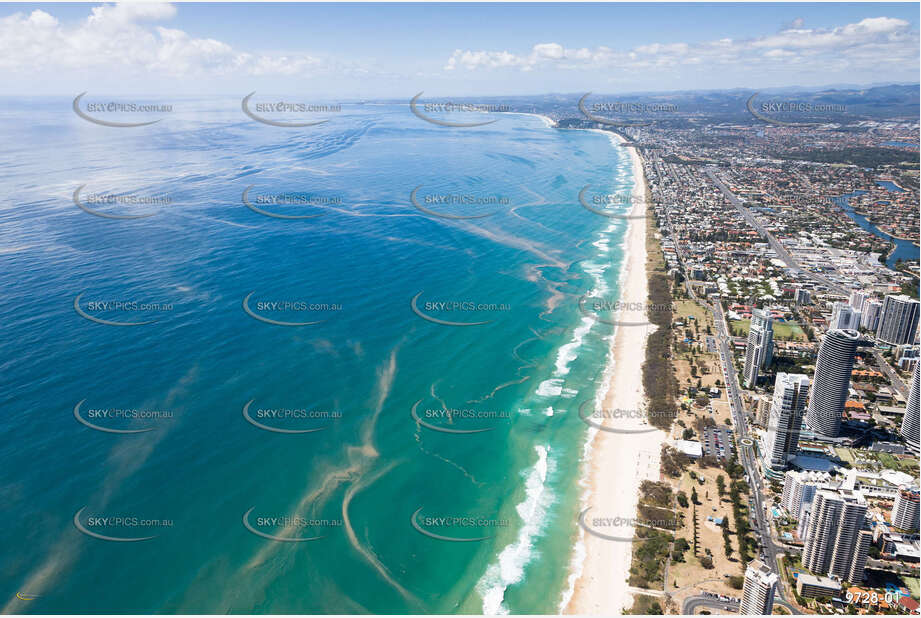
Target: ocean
(365, 404)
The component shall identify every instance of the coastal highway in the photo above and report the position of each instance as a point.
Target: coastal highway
(893, 377)
(760, 525)
(778, 248)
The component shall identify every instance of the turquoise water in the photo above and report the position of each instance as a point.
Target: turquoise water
(354, 375)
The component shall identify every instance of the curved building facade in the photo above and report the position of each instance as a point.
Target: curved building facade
(831, 382)
(911, 423)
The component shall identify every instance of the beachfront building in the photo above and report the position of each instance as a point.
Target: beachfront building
(760, 347)
(911, 422)
(906, 510)
(832, 379)
(837, 540)
(898, 322)
(785, 420)
(758, 590)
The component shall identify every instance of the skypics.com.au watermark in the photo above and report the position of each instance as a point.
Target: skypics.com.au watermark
(612, 205)
(621, 529)
(457, 420)
(94, 309)
(475, 111)
(268, 204)
(617, 420)
(638, 114)
(610, 311)
(429, 310)
(115, 109)
(288, 420)
(119, 528)
(119, 420)
(278, 113)
(110, 205)
(782, 112)
(269, 311)
(456, 528)
(457, 205)
(288, 528)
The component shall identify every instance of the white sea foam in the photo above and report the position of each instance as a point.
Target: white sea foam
(569, 351)
(551, 387)
(512, 560)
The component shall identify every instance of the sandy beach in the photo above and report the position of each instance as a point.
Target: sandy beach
(618, 462)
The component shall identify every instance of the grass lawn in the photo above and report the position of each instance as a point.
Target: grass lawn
(888, 461)
(845, 454)
(914, 586)
(893, 463)
(782, 330)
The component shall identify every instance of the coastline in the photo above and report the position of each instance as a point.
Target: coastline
(615, 464)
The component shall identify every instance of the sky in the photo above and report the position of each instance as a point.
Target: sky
(365, 51)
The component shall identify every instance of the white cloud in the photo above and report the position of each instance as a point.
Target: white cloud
(116, 36)
(859, 45)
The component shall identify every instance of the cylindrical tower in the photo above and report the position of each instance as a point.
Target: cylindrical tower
(832, 380)
(911, 422)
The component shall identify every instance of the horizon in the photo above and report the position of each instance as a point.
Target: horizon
(793, 88)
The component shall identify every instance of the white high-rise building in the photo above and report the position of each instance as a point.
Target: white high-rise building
(832, 380)
(870, 314)
(857, 300)
(837, 540)
(845, 316)
(760, 347)
(799, 488)
(906, 510)
(911, 422)
(758, 591)
(786, 418)
(898, 322)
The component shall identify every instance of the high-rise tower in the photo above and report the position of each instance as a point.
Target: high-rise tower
(831, 382)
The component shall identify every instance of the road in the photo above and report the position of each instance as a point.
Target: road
(702, 601)
(778, 248)
(760, 525)
(894, 378)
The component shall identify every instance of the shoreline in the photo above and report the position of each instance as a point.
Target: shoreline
(546, 119)
(616, 463)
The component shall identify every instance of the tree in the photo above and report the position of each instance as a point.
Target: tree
(694, 497)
